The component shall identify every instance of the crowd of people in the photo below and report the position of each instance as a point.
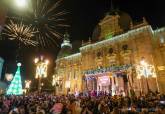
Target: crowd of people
(44, 103)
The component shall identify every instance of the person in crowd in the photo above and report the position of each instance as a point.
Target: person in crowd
(57, 108)
(86, 110)
(44, 103)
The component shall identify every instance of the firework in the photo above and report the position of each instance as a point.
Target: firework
(48, 20)
(20, 32)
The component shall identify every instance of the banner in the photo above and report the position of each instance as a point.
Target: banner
(108, 69)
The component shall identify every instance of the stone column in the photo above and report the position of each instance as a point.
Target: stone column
(113, 85)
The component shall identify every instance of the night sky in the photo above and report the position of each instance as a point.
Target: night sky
(83, 17)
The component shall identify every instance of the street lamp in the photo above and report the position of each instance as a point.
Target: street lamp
(41, 69)
(146, 70)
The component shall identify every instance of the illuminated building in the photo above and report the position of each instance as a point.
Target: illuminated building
(110, 60)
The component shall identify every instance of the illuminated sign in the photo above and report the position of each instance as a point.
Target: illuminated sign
(103, 80)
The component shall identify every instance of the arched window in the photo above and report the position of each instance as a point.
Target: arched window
(162, 40)
(99, 54)
(125, 47)
(110, 51)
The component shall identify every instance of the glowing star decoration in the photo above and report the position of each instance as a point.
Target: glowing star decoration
(146, 70)
(55, 81)
(27, 84)
(19, 64)
(15, 88)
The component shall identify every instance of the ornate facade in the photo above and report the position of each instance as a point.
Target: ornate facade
(112, 60)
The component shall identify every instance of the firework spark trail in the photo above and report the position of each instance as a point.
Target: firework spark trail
(47, 19)
(21, 32)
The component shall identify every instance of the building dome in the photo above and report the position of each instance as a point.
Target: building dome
(124, 21)
(76, 46)
(96, 33)
(66, 47)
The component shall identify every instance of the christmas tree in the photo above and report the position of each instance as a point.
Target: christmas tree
(15, 88)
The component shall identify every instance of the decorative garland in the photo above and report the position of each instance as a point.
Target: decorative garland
(107, 69)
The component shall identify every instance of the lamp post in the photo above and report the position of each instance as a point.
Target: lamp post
(41, 69)
(146, 70)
